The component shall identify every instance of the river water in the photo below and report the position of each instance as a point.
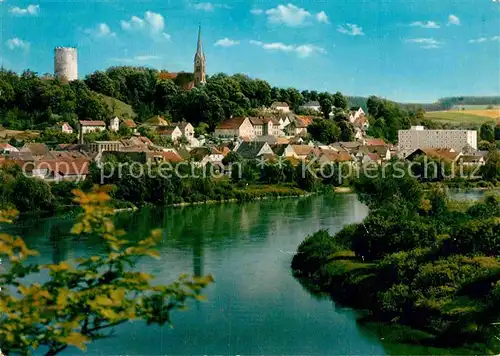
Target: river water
(255, 305)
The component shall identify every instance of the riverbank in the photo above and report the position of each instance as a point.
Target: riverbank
(353, 283)
(418, 261)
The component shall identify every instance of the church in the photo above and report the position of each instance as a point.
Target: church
(198, 78)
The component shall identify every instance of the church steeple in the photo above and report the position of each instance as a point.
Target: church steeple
(199, 63)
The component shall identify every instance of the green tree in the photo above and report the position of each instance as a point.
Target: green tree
(324, 131)
(80, 300)
(325, 102)
(340, 101)
(491, 170)
(486, 133)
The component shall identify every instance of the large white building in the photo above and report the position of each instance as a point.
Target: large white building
(418, 137)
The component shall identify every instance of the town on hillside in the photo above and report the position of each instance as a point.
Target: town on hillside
(323, 128)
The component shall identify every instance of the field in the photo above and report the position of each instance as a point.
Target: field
(118, 107)
(474, 117)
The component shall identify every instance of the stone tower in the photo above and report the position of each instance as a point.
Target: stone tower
(66, 63)
(200, 76)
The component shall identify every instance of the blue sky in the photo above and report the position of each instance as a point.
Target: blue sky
(405, 50)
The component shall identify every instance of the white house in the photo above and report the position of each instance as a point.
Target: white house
(356, 114)
(311, 105)
(186, 129)
(89, 126)
(279, 106)
(66, 128)
(235, 127)
(298, 151)
(172, 133)
(114, 124)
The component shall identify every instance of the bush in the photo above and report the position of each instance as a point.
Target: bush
(314, 251)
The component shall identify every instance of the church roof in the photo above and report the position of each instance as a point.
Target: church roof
(199, 49)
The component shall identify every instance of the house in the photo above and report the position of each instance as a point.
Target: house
(334, 157)
(114, 124)
(162, 156)
(235, 127)
(299, 125)
(471, 160)
(172, 133)
(284, 122)
(252, 150)
(6, 148)
(138, 141)
(355, 115)
(265, 126)
(88, 126)
(205, 155)
(66, 128)
(60, 169)
(186, 129)
(447, 154)
(36, 149)
(371, 158)
(311, 105)
(298, 151)
(100, 146)
(383, 152)
(157, 121)
(258, 125)
(280, 106)
(374, 142)
(129, 124)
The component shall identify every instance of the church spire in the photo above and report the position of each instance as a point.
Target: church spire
(199, 49)
(199, 63)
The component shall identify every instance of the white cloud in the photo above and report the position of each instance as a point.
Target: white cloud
(322, 17)
(426, 43)
(17, 43)
(204, 6)
(351, 30)
(484, 39)
(453, 20)
(307, 49)
(479, 40)
(302, 51)
(289, 15)
(209, 7)
(256, 11)
(226, 42)
(425, 24)
(32, 10)
(152, 23)
(102, 30)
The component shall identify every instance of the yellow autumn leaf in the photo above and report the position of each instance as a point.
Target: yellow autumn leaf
(154, 254)
(104, 301)
(76, 339)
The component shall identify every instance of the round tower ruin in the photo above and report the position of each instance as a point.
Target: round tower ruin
(66, 63)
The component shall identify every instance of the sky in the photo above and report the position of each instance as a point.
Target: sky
(404, 50)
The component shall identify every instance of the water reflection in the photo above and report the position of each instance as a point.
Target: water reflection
(255, 305)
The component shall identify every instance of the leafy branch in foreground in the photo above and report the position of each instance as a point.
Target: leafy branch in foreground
(81, 298)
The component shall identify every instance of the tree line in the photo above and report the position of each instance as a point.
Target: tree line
(418, 260)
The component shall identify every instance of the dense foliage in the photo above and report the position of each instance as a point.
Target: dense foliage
(80, 299)
(416, 260)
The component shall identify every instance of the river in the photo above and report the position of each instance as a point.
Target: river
(255, 305)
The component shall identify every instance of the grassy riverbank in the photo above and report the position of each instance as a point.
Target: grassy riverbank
(419, 262)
